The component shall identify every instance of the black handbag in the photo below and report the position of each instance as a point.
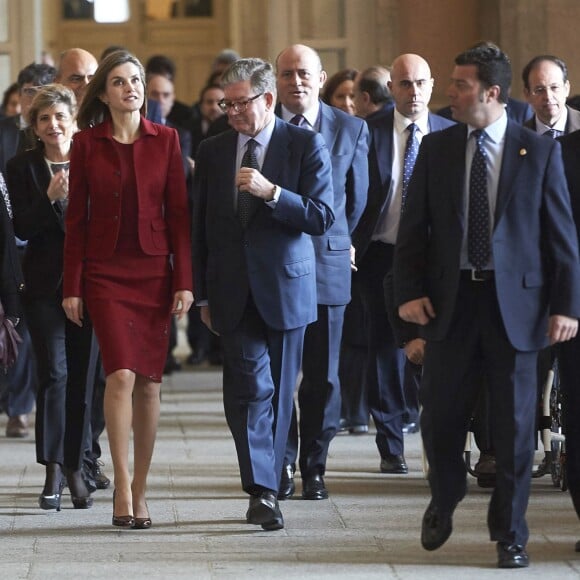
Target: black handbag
(9, 341)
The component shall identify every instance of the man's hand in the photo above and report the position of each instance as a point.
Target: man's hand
(415, 350)
(252, 181)
(205, 315)
(561, 328)
(419, 311)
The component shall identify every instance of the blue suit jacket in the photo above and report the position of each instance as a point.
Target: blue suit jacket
(534, 242)
(347, 139)
(273, 257)
(380, 169)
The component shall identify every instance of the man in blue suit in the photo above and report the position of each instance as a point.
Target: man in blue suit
(486, 263)
(260, 191)
(411, 86)
(300, 77)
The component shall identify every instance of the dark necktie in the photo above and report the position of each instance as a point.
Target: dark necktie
(411, 152)
(552, 133)
(246, 201)
(296, 120)
(478, 243)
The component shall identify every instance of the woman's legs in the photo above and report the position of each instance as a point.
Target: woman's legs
(146, 403)
(118, 409)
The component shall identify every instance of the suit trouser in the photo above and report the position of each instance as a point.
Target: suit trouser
(448, 395)
(352, 366)
(318, 394)
(385, 359)
(261, 367)
(568, 355)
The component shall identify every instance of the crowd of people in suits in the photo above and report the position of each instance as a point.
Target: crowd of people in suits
(387, 256)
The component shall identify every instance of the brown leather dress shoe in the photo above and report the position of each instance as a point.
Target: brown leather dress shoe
(17, 427)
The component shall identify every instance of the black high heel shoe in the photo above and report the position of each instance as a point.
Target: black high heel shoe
(80, 495)
(54, 483)
(122, 521)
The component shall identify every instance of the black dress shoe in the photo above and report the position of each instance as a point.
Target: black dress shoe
(512, 556)
(577, 546)
(101, 480)
(436, 528)
(313, 488)
(394, 464)
(287, 487)
(409, 428)
(358, 429)
(264, 511)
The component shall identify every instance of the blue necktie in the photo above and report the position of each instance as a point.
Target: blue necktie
(246, 201)
(552, 133)
(478, 242)
(411, 152)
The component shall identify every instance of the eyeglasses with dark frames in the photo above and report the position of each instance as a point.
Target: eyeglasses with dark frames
(237, 106)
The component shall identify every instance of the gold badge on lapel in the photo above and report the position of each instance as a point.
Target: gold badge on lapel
(523, 152)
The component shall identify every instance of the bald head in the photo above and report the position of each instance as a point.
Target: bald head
(299, 78)
(75, 69)
(411, 85)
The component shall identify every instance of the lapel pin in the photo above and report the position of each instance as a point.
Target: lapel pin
(523, 152)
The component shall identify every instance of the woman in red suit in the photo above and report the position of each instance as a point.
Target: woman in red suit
(127, 260)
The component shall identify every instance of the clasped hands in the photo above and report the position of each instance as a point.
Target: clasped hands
(58, 186)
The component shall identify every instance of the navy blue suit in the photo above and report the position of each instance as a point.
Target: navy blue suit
(502, 322)
(260, 284)
(374, 260)
(319, 393)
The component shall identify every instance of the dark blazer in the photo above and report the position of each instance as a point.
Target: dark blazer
(11, 279)
(380, 168)
(9, 140)
(273, 258)
(571, 157)
(347, 140)
(38, 221)
(534, 239)
(92, 219)
(572, 122)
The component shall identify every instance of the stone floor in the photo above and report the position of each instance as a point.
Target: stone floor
(369, 528)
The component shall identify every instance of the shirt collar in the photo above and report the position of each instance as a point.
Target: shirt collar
(559, 125)
(495, 131)
(401, 122)
(311, 115)
(262, 138)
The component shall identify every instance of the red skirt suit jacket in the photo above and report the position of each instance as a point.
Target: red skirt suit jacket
(93, 215)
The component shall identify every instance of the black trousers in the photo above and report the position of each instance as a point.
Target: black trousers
(448, 394)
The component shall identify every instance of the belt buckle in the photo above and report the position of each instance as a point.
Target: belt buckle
(475, 277)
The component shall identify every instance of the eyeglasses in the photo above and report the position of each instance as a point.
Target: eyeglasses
(31, 91)
(541, 91)
(237, 106)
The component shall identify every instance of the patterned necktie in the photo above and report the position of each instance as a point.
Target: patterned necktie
(5, 196)
(552, 133)
(246, 201)
(478, 243)
(411, 152)
(296, 120)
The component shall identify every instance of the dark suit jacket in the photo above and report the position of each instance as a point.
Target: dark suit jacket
(273, 258)
(93, 215)
(380, 168)
(571, 158)
(11, 279)
(9, 139)
(37, 221)
(572, 122)
(347, 140)
(534, 242)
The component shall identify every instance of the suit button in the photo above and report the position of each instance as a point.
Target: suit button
(115, 217)
(116, 194)
(117, 173)
(21, 287)
(246, 244)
